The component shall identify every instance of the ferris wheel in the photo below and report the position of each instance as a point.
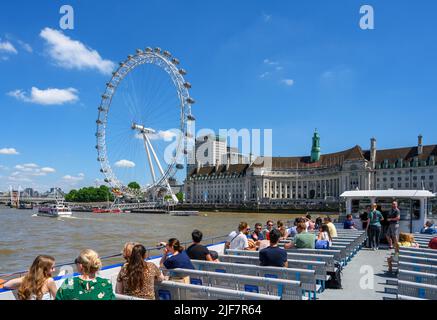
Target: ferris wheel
(143, 125)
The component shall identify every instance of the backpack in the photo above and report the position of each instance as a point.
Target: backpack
(322, 244)
(335, 281)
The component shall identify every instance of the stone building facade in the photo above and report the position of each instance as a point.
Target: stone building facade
(318, 177)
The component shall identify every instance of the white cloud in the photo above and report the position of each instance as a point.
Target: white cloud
(288, 82)
(270, 62)
(48, 170)
(263, 75)
(267, 17)
(50, 96)
(9, 151)
(19, 179)
(166, 135)
(73, 54)
(31, 170)
(7, 47)
(124, 164)
(25, 46)
(70, 178)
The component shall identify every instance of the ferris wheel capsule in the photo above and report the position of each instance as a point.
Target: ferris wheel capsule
(190, 100)
(148, 49)
(167, 53)
(139, 51)
(187, 85)
(175, 61)
(158, 50)
(182, 72)
(190, 117)
(179, 166)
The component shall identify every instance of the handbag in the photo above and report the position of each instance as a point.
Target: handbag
(322, 244)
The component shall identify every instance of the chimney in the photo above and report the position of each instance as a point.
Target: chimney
(373, 152)
(420, 144)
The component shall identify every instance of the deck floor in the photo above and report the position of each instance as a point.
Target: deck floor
(357, 284)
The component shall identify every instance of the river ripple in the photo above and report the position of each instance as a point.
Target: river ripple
(23, 235)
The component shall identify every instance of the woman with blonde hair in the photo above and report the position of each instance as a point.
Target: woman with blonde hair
(87, 286)
(127, 250)
(38, 283)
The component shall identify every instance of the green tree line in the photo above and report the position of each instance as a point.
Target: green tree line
(90, 194)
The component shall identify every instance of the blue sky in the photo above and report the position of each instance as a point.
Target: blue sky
(291, 66)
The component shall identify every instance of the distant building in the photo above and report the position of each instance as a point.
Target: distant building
(54, 192)
(316, 177)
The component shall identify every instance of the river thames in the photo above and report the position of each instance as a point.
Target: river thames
(25, 235)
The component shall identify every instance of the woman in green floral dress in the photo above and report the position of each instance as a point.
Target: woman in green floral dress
(87, 286)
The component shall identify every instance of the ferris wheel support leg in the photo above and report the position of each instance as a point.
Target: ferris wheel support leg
(149, 158)
(160, 168)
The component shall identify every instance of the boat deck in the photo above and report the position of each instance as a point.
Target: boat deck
(364, 265)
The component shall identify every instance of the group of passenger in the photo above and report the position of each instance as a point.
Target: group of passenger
(136, 278)
(304, 233)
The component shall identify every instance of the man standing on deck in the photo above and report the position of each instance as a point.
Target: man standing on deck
(393, 218)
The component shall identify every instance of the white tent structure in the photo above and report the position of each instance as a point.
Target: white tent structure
(414, 204)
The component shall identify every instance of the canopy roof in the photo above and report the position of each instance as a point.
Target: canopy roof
(388, 194)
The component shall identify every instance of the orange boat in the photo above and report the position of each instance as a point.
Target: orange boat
(99, 210)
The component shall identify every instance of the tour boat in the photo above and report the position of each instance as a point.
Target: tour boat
(114, 210)
(55, 210)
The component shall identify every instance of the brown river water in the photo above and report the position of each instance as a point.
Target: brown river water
(23, 235)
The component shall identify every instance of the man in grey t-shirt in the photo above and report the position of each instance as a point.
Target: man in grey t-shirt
(393, 218)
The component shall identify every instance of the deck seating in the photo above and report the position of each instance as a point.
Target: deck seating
(426, 268)
(317, 266)
(169, 290)
(419, 260)
(329, 259)
(418, 252)
(418, 277)
(286, 289)
(417, 290)
(307, 278)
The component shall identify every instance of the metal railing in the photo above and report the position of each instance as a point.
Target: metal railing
(149, 250)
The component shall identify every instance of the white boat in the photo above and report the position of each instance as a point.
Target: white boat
(55, 210)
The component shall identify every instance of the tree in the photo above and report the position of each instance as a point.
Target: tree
(180, 196)
(90, 194)
(134, 185)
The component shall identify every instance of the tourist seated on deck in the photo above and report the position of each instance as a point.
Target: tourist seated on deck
(292, 232)
(178, 259)
(405, 240)
(257, 234)
(309, 223)
(239, 241)
(273, 256)
(429, 228)
(303, 239)
(87, 286)
(324, 234)
(127, 250)
(269, 227)
(137, 277)
(196, 251)
(331, 226)
(433, 243)
(349, 223)
(38, 283)
(318, 224)
(283, 230)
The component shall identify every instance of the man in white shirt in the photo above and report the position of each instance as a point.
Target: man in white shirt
(239, 241)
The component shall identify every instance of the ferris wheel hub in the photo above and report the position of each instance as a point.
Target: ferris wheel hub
(142, 129)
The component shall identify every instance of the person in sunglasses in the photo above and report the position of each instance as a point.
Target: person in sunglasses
(87, 286)
(257, 234)
(269, 227)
